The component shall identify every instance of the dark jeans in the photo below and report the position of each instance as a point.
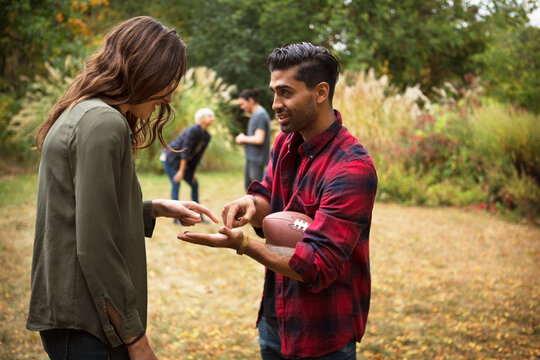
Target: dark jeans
(252, 172)
(175, 186)
(270, 345)
(69, 344)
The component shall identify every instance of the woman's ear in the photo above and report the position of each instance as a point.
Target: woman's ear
(321, 92)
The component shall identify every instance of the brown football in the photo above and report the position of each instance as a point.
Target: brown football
(285, 228)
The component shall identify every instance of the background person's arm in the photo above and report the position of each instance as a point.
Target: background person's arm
(256, 139)
(181, 170)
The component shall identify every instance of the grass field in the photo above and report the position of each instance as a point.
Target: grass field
(447, 284)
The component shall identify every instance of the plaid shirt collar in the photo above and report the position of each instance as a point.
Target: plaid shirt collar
(318, 142)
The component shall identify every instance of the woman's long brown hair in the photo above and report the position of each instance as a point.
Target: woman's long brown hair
(140, 57)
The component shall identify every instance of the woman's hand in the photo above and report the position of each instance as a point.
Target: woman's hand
(188, 212)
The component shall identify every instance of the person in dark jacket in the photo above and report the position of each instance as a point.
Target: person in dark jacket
(188, 147)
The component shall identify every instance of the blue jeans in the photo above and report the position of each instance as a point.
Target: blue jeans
(70, 344)
(175, 186)
(252, 172)
(270, 345)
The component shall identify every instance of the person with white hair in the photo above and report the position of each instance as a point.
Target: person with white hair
(188, 147)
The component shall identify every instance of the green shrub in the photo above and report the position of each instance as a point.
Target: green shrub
(14, 154)
(396, 184)
(7, 108)
(451, 194)
(463, 151)
(522, 194)
(508, 137)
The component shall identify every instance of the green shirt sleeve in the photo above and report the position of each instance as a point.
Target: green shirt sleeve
(97, 149)
(149, 220)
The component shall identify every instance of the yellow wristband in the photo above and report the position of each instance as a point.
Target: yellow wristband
(253, 199)
(243, 245)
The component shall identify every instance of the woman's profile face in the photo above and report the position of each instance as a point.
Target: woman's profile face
(145, 109)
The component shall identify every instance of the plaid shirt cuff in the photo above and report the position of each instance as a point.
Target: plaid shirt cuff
(257, 189)
(302, 262)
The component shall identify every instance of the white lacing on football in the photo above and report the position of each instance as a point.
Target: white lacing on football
(300, 224)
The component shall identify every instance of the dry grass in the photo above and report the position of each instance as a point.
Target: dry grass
(447, 284)
(375, 111)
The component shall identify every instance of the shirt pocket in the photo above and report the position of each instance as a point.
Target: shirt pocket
(303, 206)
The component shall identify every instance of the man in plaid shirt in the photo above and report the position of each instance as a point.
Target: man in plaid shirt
(316, 296)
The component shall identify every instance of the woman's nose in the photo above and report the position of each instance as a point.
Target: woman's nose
(167, 99)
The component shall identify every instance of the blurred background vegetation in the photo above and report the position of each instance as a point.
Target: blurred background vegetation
(445, 95)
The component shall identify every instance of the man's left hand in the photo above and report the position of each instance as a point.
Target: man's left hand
(226, 238)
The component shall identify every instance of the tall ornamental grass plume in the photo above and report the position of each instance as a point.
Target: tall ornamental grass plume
(375, 112)
(42, 94)
(200, 88)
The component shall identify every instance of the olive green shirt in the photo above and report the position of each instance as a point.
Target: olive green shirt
(89, 243)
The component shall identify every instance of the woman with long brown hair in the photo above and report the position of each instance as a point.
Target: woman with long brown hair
(89, 292)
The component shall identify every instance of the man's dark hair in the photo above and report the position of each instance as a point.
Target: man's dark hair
(315, 64)
(250, 93)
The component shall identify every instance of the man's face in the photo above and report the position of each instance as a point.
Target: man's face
(294, 103)
(246, 105)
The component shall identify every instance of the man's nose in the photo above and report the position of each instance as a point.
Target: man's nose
(276, 104)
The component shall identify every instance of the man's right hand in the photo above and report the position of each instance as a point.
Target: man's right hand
(239, 212)
(240, 138)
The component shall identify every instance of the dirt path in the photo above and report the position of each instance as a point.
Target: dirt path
(447, 284)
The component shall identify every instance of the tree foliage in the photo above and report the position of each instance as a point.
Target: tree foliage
(235, 37)
(422, 42)
(411, 42)
(511, 66)
(34, 33)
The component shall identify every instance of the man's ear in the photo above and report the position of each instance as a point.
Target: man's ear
(321, 92)
(251, 101)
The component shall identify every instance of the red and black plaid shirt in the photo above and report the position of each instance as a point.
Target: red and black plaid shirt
(335, 184)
